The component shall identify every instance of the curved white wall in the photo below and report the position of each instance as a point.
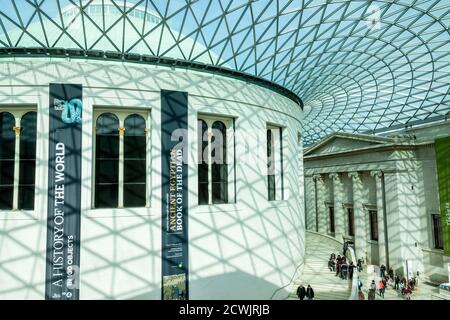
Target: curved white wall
(247, 249)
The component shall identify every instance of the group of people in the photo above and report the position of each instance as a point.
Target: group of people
(340, 266)
(303, 293)
(403, 285)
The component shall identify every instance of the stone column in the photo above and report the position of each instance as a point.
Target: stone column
(378, 175)
(358, 211)
(339, 212)
(310, 203)
(321, 210)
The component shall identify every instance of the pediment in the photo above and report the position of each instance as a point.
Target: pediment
(341, 142)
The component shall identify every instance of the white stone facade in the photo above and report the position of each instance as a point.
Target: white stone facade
(234, 248)
(395, 176)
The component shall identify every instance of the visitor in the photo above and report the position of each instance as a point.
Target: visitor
(301, 292)
(391, 273)
(359, 265)
(350, 270)
(331, 264)
(371, 295)
(397, 282)
(309, 292)
(381, 288)
(344, 270)
(360, 284)
(360, 295)
(382, 270)
(338, 265)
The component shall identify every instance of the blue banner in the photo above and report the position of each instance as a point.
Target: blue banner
(174, 125)
(64, 192)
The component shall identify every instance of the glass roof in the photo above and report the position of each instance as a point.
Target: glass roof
(359, 66)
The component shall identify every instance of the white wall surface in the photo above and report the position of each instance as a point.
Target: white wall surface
(247, 249)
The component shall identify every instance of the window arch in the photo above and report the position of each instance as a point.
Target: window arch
(134, 193)
(27, 161)
(7, 156)
(107, 161)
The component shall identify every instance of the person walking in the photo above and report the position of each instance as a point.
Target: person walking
(350, 270)
(396, 282)
(310, 293)
(361, 295)
(373, 287)
(360, 284)
(301, 292)
(381, 288)
(382, 270)
(359, 265)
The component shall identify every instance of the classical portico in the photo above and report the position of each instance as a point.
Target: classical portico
(377, 192)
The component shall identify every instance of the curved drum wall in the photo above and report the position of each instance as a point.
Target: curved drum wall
(246, 249)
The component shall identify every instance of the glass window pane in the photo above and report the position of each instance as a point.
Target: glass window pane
(107, 146)
(351, 226)
(219, 142)
(134, 147)
(134, 195)
(202, 141)
(270, 166)
(27, 163)
(373, 225)
(203, 193)
(331, 217)
(271, 188)
(107, 171)
(219, 192)
(7, 136)
(6, 197)
(135, 162)
(7, 154)
(27, 172)
(6, 172)
(134, 171)
(106, 195)
(26, 197)
(106, 161)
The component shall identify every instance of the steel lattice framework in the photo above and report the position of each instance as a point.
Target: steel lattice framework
(359, 66)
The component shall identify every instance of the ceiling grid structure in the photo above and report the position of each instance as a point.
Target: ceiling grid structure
(358, 66)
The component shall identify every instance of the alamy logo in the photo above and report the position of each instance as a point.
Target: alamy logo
(71, 110)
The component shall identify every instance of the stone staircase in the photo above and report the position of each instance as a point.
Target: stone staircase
(316, 273)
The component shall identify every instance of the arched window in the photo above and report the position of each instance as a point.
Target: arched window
(219, 163)
(214, 168)
(107, 161)
(271, 191)
(27, 161)
(134, 192)
(275, 186)
(7, 156)
(203, 194)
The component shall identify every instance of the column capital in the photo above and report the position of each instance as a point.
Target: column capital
(335, 176)
(317, 177)
(17, 130)
(121, 131)
(354, 175)
(376, 173)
